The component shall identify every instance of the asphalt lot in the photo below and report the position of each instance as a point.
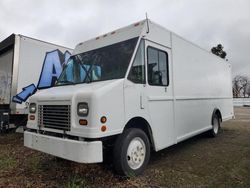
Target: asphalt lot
(223, 161)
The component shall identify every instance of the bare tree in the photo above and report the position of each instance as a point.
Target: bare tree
(248, 89)
(241, 86)
(236, 87)
(244, 82)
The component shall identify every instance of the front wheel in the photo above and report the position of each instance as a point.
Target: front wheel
(131, 152)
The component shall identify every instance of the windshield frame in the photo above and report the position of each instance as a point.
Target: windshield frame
(140, 39)
(88, 71)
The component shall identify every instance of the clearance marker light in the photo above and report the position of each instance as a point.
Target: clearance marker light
(32, 117)
(83, 122)
(137, 24)
(103, 128)
(103, 119)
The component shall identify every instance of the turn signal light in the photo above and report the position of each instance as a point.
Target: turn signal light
(103, 119)
(83, 122)
(103, 128)
(32, 117)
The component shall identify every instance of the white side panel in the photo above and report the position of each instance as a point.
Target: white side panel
(135, 101)
(31, 57)
(195, 116)
(108, 101)
(160, 105)
(6, 61)
(198, 73)
(202, 83)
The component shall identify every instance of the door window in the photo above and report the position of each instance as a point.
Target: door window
(157, 67)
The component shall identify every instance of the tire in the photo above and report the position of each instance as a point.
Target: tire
(107, 159)
(131, 152)
(216, 126)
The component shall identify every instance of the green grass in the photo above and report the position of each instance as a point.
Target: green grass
(7, 162)
(34, 164)
(76, 182)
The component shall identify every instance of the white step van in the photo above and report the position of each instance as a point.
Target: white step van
(135, 89)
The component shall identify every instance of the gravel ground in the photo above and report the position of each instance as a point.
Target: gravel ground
(223, 161)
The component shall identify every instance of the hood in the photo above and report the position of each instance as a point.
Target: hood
(66, 92)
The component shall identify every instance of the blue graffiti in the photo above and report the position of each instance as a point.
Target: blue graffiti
(52, 67)
(16, 100)
(24, 94)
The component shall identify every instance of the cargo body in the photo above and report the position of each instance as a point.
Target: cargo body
(138, 88)
(21, 65)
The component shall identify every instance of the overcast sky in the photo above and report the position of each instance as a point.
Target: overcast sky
(68, 22)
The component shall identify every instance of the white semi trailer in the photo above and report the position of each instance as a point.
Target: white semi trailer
(135, 89)
(26, 64)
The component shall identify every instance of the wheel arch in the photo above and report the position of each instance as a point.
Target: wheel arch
(218, 113)
(141, 123)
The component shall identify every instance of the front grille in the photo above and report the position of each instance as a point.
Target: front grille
(54, 116)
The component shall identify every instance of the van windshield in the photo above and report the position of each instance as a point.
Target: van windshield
(106, 63)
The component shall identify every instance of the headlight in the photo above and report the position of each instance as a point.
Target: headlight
(32, 108)
(82, 109)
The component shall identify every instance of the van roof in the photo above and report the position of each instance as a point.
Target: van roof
(125, 33)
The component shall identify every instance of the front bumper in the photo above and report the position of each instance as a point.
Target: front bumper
(78, 151)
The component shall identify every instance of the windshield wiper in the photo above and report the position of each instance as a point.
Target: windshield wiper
(65, 82)
(86, 71)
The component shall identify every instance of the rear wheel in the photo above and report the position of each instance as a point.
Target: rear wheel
(216, 126)
(131, 152)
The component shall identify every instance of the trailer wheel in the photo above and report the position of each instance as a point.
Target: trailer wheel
(216, 126)
(131, 152)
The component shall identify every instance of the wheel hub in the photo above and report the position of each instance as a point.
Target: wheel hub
(136, 153)
(216, 126)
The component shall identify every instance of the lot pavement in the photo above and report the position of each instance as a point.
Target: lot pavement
(223, 161)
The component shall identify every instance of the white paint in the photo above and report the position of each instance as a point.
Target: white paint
(78, 151)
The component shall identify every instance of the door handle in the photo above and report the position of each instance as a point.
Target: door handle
(142, 100)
